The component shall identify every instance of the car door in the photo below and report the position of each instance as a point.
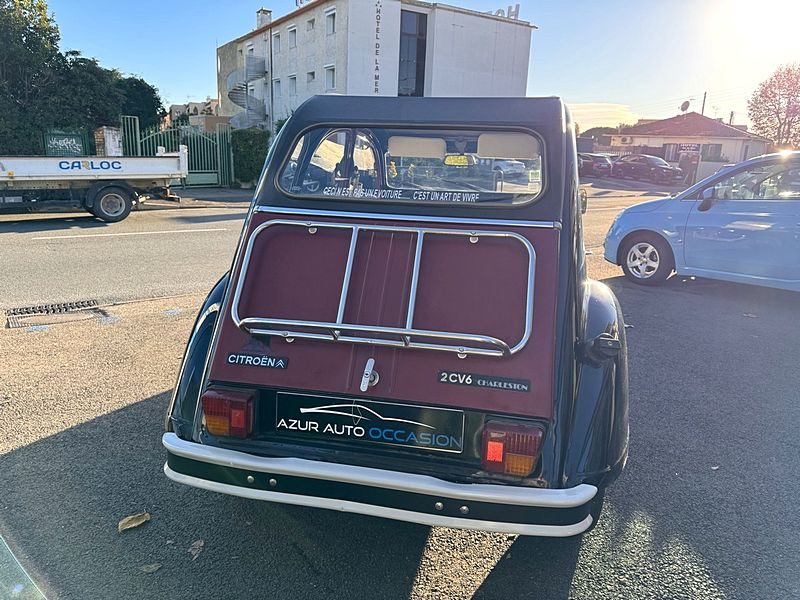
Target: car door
(625, 166)
(749, 225)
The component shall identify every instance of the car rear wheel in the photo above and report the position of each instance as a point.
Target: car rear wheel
(112, 204)
(646, 259)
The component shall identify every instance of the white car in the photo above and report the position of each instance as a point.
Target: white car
(509, 168)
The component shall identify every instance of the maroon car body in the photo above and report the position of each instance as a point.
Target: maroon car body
(404, 335)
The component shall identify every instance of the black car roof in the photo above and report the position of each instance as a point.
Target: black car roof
(547, 117)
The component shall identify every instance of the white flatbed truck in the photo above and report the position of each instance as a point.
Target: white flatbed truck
(106, 186)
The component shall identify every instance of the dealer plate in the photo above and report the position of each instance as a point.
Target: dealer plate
(370, 422)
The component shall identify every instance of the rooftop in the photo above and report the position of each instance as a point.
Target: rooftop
(690, 124)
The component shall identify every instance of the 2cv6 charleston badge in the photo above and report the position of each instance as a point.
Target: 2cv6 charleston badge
(407, 331)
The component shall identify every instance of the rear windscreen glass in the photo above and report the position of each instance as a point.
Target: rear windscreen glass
(415, 165)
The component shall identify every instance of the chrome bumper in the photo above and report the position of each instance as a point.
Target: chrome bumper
(376, 492)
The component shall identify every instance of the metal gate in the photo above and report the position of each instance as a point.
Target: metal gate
(209, 153)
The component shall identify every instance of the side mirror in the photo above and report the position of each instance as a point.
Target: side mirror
(708, 196)
(584, 200)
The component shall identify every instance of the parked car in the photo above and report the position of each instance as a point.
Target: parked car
(644, 166)
(594, 165)
(741, 224)
(382, 350)
(509, 168)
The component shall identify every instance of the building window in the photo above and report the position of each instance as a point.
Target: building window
(276, 88)
(330, 78)
(711, 152)
(310, 25)
(311, 76)
(413, 39)
(670, 152)
(276, 43)
(293, 38)
(330, 23)
(293, 85)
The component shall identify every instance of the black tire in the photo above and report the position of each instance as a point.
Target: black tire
(112, 204)
(653, 249)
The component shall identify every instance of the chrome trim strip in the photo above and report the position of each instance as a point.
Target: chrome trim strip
(331, 331)
(412, 298)
(381, 511)
(382, 478)
(348, 272)
(307, 212)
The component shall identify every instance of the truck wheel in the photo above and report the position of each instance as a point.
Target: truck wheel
(112, 204)
(646, 258)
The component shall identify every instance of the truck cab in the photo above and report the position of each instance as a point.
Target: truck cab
(403, 335)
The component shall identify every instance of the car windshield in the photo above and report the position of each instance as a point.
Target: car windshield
(658, 162)
(415, 165)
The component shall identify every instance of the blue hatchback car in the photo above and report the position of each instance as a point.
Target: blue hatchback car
(741, 224)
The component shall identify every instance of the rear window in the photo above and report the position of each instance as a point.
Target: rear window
(429, 166)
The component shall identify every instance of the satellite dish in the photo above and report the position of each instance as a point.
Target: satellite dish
(685, 106)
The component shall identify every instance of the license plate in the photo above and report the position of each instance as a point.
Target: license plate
(369, 422)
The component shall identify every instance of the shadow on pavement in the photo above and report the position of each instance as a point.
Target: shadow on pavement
(49, 221)
(216, 217)
(64, 495)
(533, 568)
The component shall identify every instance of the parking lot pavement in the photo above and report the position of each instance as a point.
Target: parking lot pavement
(615, 186)
(704, 510)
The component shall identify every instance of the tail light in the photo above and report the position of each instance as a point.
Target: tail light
(228, 413)
(511, 448)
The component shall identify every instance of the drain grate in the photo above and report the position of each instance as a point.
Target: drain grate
(50, 314)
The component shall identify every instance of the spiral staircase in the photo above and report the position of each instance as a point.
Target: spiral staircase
(254, 113)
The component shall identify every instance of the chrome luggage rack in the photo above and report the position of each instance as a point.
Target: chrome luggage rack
(404, 337)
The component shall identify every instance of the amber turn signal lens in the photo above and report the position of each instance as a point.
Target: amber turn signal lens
(511, 448)
(228, 413)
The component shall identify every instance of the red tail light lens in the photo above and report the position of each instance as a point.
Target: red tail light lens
(228, 413)
(511, 448)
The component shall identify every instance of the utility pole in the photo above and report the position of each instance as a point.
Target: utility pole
(731, 119)
(703, 109)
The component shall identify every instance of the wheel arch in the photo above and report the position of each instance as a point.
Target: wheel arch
(597, 443)
(642, 230)
(96, 188)
(183, 404)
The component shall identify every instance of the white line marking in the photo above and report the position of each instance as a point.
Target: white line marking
(68, 237)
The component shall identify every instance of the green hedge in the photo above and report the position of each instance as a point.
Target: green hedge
(249, 152)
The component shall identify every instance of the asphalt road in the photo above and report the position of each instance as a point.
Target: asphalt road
(58, 257)
(706, 508)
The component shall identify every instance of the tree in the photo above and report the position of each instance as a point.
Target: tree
(142, 100)
(249, 152)
(596, 132)
(774, 108)
(30, 64)
(42, 88)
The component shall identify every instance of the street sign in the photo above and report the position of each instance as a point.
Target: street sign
(689, 148)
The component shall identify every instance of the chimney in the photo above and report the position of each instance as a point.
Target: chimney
(263, 17)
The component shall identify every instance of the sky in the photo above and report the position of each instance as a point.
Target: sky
(613, 61)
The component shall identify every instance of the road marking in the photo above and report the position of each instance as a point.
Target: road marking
(92, 235)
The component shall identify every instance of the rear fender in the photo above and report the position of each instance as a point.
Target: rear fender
(598, 438)
(183, 406)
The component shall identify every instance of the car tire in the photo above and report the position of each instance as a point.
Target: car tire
(646, 258)
(112, 204)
